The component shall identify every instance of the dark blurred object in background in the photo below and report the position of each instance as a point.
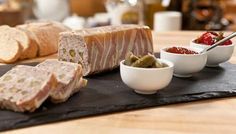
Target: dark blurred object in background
(152, 6)
(125, 11)
(14, 12)
(11, 13)
(87, 8)
(204, 15)
(197, 14)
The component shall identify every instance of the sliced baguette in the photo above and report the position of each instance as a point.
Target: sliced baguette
(33, 50)
(47, 35)
(10, 50)
(29, 48)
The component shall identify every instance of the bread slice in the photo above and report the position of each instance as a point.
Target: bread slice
(47, 35)
(33, 50)
(29, 47)
(10, 50)
(25, 88)
(69, 77)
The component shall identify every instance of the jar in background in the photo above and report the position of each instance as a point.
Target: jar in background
(125, 11)
(150, 8)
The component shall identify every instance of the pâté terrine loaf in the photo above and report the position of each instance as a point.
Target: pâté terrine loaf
(102, 48)
(69, 77)
(25, 88)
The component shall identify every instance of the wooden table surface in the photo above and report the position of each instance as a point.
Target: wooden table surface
(203, 117)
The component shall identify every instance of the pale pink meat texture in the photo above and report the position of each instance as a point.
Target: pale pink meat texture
(25, 88)
(102, 48)
(68, 75)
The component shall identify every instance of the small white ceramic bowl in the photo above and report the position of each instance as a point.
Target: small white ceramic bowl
(185, 65)
(217, 55)
(146, 80)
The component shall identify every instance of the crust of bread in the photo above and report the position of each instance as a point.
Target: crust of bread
(32, 51)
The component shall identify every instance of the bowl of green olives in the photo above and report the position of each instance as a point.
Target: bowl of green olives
(146, 74)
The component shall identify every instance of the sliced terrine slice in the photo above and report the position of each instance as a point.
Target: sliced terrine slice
(69, 77)
(25, 88)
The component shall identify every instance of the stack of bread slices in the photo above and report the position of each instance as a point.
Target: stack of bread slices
(29, 40)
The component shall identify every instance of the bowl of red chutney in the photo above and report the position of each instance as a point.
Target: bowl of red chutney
(220, 54)
(187, 61)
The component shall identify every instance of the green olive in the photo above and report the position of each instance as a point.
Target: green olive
(14, 90)
(21, 80)
(63, 59)
(34, 83)
(64, 50)
(72, 53)
(61, 76)
(7, 78)
(24, 92)
(81, 54)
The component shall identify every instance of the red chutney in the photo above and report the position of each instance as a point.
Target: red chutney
(180, 50)
(209, 38)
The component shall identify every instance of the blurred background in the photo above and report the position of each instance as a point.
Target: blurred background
(162, 15)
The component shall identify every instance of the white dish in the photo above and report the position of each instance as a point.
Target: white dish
(146, 80)
(185, 65)
(217, 55)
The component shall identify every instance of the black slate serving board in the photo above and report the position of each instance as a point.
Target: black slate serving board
(106, 93)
